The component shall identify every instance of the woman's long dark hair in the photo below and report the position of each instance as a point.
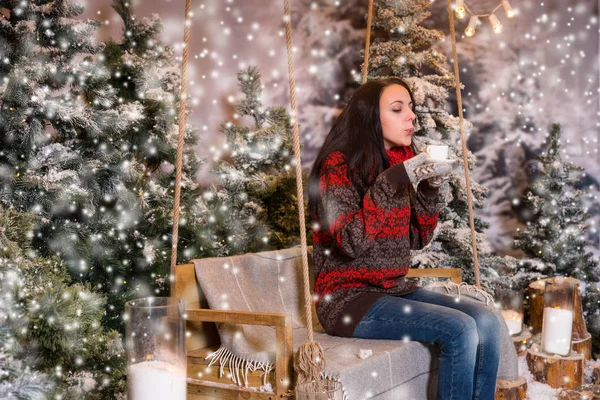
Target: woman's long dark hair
(358, 134)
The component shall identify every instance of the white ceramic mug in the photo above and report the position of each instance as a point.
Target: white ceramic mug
(436, 152)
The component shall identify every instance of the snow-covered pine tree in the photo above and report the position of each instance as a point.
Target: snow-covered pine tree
(557, 233)
(52, 342)
(146, 75)
(253, 205)
(402, 47)
(86, 155)
(18, 382)
(61, 130)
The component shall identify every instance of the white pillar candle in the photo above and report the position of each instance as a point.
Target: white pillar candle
(556, 331)
(514, 321)
(156, 380)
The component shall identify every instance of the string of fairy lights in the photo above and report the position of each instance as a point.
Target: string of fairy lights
(461, 10)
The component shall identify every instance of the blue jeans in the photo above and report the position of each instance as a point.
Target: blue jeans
(468, 335)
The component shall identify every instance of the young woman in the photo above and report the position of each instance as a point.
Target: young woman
(367, 216)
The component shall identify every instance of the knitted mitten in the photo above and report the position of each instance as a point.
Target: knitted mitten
(438, 181)
(416, 169)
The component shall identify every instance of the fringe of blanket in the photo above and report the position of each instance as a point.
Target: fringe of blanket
(450, 286)
(236, 364)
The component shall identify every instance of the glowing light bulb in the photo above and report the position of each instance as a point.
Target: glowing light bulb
(460, 9)
(509, 10)
(473, 22)
(496, 25)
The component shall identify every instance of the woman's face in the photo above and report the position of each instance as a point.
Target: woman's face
(396, 116)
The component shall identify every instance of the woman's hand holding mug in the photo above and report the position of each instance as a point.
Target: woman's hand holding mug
(418, 168)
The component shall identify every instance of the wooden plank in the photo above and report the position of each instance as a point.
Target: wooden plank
(186, 286)
(283, 357)
(199, 334)
(198, 391)
(455, 274)
(239, 317)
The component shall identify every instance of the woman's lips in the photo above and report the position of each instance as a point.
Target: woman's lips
(409, 131)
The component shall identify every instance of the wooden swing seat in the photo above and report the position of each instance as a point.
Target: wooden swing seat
(203, 339)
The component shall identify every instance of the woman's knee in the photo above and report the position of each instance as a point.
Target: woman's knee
(463, 335)
(487, 323)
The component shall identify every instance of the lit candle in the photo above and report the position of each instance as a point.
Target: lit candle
(556, 331)
(156, 380)
(514, 321)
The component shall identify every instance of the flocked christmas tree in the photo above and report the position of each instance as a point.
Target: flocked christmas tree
(52, 341)
(557, 233)
(253, 205)
(60, 127)
(146, 74)
(88, 147)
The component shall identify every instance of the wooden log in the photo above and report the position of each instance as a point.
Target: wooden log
(587, 392)
(536, 301)
(583, 346)
(511, 390)
(523, 341)
(536, 311)
(596, 375)
(557, 371)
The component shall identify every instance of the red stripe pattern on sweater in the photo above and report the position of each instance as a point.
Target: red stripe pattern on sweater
(367, 241)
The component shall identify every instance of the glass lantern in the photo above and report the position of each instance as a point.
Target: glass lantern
(156, 355)
(510, 304)
(320, 390)
(559, 298)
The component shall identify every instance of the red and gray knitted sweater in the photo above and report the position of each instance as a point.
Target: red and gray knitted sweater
(364, 253)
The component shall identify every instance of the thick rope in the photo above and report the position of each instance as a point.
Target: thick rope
(464, 143)
(310, 361)
(179, 159)
(365, 70)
